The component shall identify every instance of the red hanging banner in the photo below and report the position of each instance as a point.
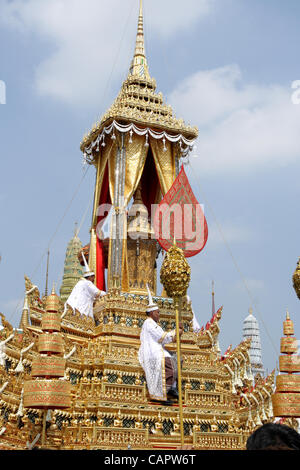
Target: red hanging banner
(180, 215)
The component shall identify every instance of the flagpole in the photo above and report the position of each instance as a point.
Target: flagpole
(175, 276)
(179, 379)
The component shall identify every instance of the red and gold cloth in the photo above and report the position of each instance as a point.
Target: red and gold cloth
(180, 215)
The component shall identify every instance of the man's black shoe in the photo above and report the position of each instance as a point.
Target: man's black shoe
(173, 393)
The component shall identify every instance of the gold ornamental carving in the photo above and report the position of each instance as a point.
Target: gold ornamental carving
(48, 366)
(288, 327)
(289, 364)
(51, 321)
(286, 404)
(52, 302)
(52, 343)
(288, 345)
(49, 394)
(289, 383)
(175, 273)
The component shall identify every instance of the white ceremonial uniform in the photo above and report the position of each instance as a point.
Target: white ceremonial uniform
(82, 297)
(196, 326)
(152, 357)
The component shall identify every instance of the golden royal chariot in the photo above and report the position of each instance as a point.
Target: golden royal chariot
(70, 382)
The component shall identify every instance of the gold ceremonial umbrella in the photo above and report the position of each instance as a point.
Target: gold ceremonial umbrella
(175, 276)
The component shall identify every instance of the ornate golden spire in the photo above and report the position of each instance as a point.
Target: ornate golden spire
(138, 102)
(139, 64)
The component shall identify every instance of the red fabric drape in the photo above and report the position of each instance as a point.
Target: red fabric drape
(100, 259)
(149, 182)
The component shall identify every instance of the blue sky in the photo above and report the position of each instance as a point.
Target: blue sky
(226, 66)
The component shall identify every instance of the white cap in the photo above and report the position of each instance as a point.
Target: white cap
(151, 305)
(87, 271)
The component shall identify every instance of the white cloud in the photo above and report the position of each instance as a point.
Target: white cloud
(91, 41)
(242, 126)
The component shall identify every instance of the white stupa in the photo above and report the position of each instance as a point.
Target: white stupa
(251, 330)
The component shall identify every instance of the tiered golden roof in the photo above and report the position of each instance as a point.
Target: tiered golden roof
(138, 102)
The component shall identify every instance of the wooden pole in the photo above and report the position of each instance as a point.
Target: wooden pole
(179, 381)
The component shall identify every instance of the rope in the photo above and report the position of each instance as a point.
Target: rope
(233, 258)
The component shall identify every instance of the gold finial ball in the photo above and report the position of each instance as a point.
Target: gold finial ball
(296, 279)
(175, 273)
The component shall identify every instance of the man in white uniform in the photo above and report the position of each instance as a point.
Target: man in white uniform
(85, 293)
(159, 365)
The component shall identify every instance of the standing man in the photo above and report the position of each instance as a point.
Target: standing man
(159, 365)
(85, 293)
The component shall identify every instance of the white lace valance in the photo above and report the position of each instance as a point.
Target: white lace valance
(186, 145)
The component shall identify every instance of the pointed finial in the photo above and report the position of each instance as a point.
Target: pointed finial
(251, 311)
(76, 229)
(53, 289)
(139, 64)
(287, 315)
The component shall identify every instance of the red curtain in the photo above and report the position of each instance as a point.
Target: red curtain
(149, 182)
(100, 258)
